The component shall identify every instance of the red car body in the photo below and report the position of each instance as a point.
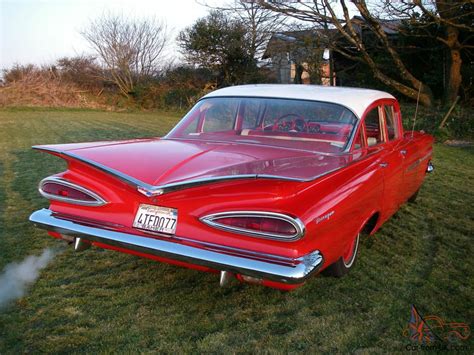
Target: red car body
(264, 213)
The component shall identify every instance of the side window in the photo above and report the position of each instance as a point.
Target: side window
(373, 127)
(358, 140)
(392, 124)
(220, 116)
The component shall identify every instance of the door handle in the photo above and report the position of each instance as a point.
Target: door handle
(383, 165)
(403, 152)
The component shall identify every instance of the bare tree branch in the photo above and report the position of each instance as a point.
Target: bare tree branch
(440, 14)
(324, 14)
(129, 49)
(381, 35)
(451, 17)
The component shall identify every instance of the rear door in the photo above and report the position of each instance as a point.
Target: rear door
(396, 155)
(414, 171)
(386, 139)
(410, 151)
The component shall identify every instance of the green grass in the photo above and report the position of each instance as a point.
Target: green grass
(105, 301)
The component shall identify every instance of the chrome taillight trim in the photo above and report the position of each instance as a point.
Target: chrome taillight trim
(210, 220)
(99, 201)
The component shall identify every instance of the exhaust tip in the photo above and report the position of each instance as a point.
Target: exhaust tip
(225, 278)
(81, 245)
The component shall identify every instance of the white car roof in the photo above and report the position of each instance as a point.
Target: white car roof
(355, 99)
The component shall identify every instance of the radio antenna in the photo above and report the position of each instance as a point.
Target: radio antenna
(416, 111)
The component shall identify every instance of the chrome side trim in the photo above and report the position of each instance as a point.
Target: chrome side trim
(417, 163)
(288, 178)
(99, 201)
(294, 221)
(293, 271)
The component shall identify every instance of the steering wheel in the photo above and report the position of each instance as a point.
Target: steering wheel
(285, 124)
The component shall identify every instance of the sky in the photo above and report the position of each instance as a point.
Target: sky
(41, 31)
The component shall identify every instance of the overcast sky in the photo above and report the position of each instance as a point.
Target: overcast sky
(41, 31)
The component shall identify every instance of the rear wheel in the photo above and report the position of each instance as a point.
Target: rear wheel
(346, 261)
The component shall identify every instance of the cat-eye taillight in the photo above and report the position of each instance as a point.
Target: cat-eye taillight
(268, 225)
(62, 190)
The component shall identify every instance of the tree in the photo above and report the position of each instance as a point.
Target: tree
(353, 45)
(260, 23)
(447, 21)
(219, 43)
(129, 49)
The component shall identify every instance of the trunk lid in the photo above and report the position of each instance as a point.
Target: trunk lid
(169, 161)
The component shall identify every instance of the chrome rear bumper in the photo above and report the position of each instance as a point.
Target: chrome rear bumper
(265, 266)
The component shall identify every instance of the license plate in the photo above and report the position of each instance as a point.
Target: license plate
(156, 219)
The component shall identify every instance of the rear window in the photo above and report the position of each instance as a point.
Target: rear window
(312, 125)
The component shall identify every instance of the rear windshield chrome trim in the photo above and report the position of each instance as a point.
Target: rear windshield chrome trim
(99, 201)
(299, 226)
(332, 154)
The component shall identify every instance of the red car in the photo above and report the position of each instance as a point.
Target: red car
(269, 184)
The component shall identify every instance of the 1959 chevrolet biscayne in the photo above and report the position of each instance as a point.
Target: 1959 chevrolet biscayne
(269, 184)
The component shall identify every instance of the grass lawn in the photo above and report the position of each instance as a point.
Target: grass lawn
(105, 301)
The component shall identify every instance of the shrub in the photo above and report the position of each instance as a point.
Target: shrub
(459, 125)
(18, 72)
(33, 86)
(82, 71)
